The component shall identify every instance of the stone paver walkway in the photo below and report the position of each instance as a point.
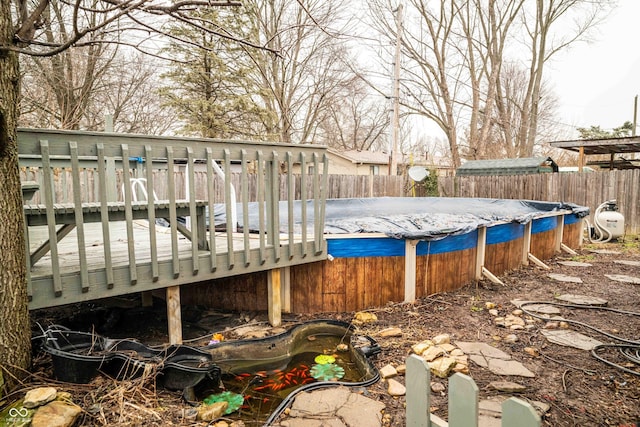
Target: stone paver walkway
(494, 359)
(333, 407)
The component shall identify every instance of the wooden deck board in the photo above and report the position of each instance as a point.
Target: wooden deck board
(68, 247)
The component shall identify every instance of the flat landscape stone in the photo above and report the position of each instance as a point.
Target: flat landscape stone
(493, 406)
(390, 332)
(494, 359)
(388, 371)
(334, 407)
(624, 278)
(482, 349)
(582, 300)
(507, 367)
(627, 262)
(56, 414)
(575, 264)
(564, 278)
(569, 338)
(395, 388)
(536, 308)
(507, 386)
(605, 252)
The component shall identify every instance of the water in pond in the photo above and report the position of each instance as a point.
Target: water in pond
(265, 383)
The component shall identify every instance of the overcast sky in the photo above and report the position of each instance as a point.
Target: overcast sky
(596, 82)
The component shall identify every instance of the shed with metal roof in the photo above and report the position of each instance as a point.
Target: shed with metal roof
(521, 166)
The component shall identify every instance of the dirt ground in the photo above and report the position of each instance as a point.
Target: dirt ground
(580, 390)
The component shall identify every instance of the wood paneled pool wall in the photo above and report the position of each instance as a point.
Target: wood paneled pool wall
(370, 271)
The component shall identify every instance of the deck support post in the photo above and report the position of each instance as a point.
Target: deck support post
(537, 262)
(581, 238)
(526, 243)
(410, 270)
(286, 290)
(481, 248)
(526, 248)
(559, 233)
(174, 315)
(480, 251)
(274, 294)
(568, 250)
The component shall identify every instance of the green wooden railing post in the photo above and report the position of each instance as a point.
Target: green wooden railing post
(418, 383)
(516, 412)
(463, 401)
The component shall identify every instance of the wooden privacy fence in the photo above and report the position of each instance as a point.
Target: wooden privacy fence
(586, 189)
(338, 186)
(463, 401)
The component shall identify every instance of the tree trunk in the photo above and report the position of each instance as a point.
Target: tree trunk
(15, 332)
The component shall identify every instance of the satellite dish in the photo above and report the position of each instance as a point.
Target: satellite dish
(418, 173)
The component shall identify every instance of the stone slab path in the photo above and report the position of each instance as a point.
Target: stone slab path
(569, 338)
(333, 407)
(575, 264)
(582, 300)
(564, 278)
(536, 308)
(605, 252)
(624, 278)
(494, 359)
(627, 262)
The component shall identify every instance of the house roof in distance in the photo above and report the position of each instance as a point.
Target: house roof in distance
(363, 156)
(525, 165)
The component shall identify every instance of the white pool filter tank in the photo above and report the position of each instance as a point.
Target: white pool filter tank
(608, 223)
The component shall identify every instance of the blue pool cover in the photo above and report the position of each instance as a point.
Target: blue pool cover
(419, 218)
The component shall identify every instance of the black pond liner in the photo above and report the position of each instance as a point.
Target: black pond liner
(233, 354)
(78, 357)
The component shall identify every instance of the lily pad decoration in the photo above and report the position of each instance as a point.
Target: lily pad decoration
(234, 400)
(323, 359)
(327, 372)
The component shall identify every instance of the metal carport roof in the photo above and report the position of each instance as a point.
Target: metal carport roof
(611, 146)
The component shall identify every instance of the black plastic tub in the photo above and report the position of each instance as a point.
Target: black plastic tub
(131, 359)
(78, 357)
(185, 367)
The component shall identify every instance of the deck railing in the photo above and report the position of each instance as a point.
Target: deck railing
(463, 406)
(85, 190)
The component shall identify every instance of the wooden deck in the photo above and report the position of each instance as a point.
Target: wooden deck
(92, 232)
(189, 271)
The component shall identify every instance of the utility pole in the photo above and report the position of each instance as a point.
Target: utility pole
(635, 115)
(635, 121)
(395, 121)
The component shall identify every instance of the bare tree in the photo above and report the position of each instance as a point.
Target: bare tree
(551, 27)
(75, 96)
(70, 76)
(129, 92)
(299, 84)
(356, 119)
(454, 53)
(23, 30)
(510, 102)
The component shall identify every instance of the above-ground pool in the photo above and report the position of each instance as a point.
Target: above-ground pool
(390, 249)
